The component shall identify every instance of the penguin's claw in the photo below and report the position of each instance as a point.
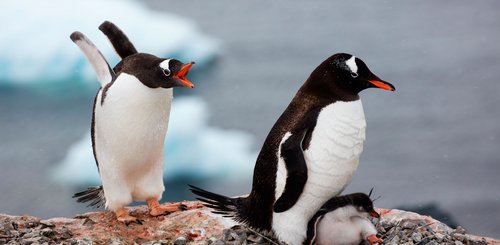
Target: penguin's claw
(123, 216)
(156, 209)
(183, 207)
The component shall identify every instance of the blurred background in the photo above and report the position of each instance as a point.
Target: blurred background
(432, 145)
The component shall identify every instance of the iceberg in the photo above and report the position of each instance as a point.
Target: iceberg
(193, 149)
(35, 46)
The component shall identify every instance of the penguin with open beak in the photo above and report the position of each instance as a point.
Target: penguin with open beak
(129, 123)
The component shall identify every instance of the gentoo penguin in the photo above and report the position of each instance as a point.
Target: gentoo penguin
(343, 220)
(310, 153)
(129, 123)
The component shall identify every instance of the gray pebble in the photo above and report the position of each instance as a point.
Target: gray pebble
(460, 230)
(211, 240)
(31, 240)
(65, 233)
(395, 240)
(88, 222)
(459, 236)
(180, 241)
(432, 243)
(31, 233)
(424, 241)
(47, 232)
(439, 236)
(416, 237)
(115, 241)
(218, 242)
(409, 225)
(458, 243)
(85, 241)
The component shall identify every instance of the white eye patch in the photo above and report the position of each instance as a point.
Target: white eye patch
(351, 63)
(165, 66)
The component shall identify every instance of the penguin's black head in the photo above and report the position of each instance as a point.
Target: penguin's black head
(347, 73)
(156, 72)
(175, 73)
(363, 203)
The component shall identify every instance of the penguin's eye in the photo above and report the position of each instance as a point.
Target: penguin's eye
(165, 67)
(354, 74)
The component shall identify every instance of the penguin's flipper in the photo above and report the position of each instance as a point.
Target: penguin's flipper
(292, 152)
(118, 39)
(101, 67)
(293, 155)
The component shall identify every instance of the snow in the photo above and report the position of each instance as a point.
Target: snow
(192, 149)
(35, 45)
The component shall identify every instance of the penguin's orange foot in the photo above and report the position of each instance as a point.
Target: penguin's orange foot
(372, 239)
(156, 209)
(123, 216)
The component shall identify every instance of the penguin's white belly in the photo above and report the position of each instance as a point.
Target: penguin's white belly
(130, 128)
(332, 157)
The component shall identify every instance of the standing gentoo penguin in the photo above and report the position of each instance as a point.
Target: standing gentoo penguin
(343, 220)
(310, 153)
(129, 124)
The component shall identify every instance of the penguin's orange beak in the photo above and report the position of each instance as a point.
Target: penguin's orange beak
(181, 75)
(382, 84)
(374, 214)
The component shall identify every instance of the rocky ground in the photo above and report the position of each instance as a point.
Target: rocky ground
(199, 226)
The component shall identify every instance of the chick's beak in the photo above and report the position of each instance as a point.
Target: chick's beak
(374, 214)
(181, 75)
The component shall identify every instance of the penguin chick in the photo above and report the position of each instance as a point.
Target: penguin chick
(343, 220)
(310, 154)
(129, 123)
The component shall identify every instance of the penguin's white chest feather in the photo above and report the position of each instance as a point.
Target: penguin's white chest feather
(130, 128)
(332, 157)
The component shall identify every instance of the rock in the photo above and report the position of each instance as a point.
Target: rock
(416, 237)
(198, 226)
(180, 241)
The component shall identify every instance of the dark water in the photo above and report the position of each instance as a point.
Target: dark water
(436, 139)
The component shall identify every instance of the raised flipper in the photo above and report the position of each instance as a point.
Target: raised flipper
(101, 67)
(118, 39)
(292, 152)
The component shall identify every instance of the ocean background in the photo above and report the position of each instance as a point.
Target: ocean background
(435, 140)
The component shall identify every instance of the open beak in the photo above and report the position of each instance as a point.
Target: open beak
(181, 75)
(379, 83)
(374, 214)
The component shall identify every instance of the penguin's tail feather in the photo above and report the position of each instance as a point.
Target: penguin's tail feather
(94, 195)
(226, 206)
